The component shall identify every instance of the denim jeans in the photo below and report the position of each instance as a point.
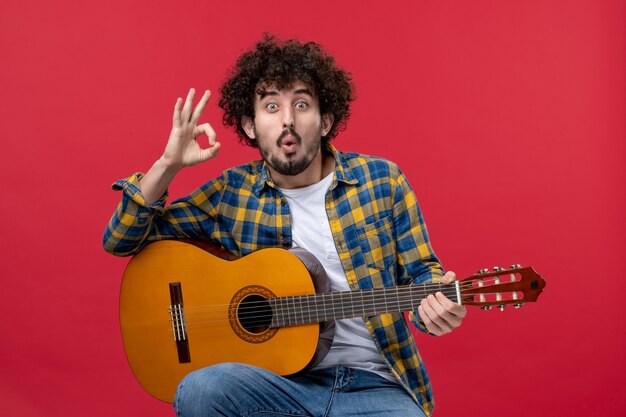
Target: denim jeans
(237, 390)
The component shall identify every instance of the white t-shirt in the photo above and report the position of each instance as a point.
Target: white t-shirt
(352, 344)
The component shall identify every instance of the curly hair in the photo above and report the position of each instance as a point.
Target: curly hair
(280, 64)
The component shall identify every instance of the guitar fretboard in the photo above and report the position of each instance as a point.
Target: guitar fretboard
(315, 308)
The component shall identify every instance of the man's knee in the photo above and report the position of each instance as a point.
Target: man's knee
(211, 388)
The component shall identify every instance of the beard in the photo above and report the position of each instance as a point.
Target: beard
(292, 166)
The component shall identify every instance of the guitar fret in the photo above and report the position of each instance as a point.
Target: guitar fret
(365, 303)
(384, 299)
(308, 309)
(317, 317)
(297, 301)
(339, 300)
(346, 301)
(293, 313)
(277, 315)
(373, 303)
(333, 299)
(305, 307)
(356, 305)
(352, 304)
(362, 305)
(300, 315)
(342, 304)
(271, 302)
(285, 311)
(397, 298)
(329, 307)
(348, 295)
(292, 310)
(280, 322)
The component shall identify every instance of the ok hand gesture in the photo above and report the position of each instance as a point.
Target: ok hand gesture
(182, 149)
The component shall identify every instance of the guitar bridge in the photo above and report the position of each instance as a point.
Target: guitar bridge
(179, 326)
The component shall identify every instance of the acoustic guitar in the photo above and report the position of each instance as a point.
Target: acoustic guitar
(185, 306)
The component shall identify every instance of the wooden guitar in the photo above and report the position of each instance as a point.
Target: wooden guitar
(183, 308)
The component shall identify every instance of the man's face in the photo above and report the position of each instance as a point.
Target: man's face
(288, 127)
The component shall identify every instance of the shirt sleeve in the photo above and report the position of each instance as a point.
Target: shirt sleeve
(135, 224)
(417, 262)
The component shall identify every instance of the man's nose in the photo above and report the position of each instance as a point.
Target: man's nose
(288, 117)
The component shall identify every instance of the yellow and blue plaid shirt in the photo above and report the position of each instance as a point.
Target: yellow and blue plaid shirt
(374, 217)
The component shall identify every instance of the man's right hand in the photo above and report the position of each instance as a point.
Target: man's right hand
(182, 149)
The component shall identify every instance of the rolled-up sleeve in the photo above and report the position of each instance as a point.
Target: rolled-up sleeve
(135, 224)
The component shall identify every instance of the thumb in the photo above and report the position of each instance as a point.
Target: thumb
(448, 277)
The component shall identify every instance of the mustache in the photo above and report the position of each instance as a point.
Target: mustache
(286, 132)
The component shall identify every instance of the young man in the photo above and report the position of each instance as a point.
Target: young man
(357, 214)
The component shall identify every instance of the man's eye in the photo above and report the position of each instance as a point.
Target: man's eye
(301, 105)
(272, 106)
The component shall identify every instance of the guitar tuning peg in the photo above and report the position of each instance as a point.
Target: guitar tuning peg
(498, 268)
(515, 266)
(482, 271)
(487, 308)
(501, 307)
(518, 305)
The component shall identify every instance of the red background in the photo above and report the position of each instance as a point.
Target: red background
(507, 117)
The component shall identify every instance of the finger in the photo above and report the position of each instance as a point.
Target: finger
(177, 109)
(207, 129)
(442, 315)
(431, 326)
(197, 112)
(188, 105)
(434, 312)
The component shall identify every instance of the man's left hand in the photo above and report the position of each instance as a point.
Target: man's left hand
(439, 313)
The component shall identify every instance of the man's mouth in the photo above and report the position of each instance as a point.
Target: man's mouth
(289, 141)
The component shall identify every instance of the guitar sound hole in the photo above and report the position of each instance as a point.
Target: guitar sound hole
(255, 314)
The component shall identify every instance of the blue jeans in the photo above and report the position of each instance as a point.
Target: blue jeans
(237, 390)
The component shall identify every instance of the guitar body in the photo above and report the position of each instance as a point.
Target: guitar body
(211, 289)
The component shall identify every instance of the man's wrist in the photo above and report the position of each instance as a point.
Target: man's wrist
(167, 166)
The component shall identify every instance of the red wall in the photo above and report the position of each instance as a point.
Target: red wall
(507, 116)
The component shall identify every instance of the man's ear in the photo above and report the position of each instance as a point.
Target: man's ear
(327, 123)
(248, 126)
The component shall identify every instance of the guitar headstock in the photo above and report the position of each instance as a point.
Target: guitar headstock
(501, 287)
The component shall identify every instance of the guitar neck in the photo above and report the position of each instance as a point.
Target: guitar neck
(315, 308)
